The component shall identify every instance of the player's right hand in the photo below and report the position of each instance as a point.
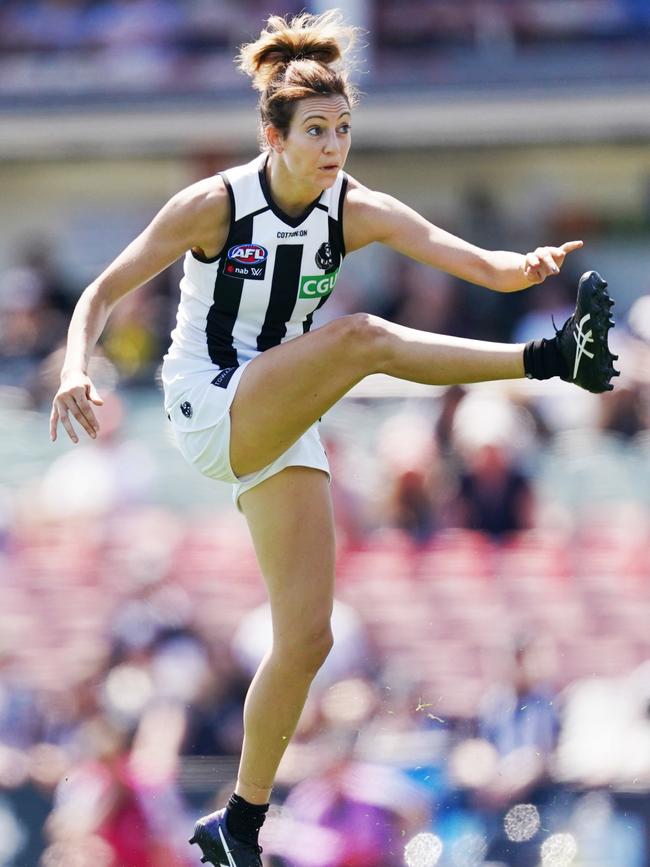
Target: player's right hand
(74, 397)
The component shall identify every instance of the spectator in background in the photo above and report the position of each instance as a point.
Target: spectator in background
(136, 332)
(518, 727)
(33, 315)
(520, 713)
(494, 494)
(108, 796)
(213, 722)
(444, 426)
(415, 481)
(363, 814)
(626, 413)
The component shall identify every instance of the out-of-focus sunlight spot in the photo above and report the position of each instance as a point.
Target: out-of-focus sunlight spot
(473, 763)
(521, 822)
(559, 850)
(469, 851)
(348, 701)
(128, 690)
(424, 850)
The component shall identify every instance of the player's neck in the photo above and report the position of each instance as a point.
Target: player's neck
(289, 194)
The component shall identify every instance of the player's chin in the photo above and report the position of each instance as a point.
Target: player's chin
(327, 176)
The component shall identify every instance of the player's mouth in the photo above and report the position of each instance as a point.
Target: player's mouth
(331, 168)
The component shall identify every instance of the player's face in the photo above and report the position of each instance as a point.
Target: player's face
(317, 145)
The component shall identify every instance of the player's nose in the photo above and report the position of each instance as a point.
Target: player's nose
(330, 143)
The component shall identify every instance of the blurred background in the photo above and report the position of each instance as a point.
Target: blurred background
(488, 698)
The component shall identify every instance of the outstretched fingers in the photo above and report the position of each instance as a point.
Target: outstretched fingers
(63, 416)
(75, 402)
(54, 422)
(570, 246)
(546, 261)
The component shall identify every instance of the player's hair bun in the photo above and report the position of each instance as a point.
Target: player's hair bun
(322, 38)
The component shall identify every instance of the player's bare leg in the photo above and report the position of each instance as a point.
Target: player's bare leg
(287, 388)
(291, 523)
(292, 527)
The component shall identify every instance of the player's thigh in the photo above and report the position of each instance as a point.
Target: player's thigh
(292, 527)
(287, 388)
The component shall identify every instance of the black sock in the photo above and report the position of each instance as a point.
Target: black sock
(542, 359)
(244, 820)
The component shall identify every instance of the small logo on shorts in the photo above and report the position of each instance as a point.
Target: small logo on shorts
(224, 376)
(324, 257)
(186, 409)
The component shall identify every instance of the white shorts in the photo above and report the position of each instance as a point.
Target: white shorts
(197, 402)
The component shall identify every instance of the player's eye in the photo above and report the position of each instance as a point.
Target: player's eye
(313, 131)
(344, 128)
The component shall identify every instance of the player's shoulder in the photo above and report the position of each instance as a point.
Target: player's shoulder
(362, 202)
(367, 214)
(359, 196)
(206, 192)
(204, 203)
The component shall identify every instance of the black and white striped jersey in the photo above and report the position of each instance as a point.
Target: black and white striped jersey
(273, 272)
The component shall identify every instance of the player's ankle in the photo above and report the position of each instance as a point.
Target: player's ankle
(244, 819)
(543, 359)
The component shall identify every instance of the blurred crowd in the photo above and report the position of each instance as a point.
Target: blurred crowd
(487, 699)
(487, 696)
(465, 708)
(72, 47)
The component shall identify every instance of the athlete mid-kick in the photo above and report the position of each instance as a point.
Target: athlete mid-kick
(246, 379)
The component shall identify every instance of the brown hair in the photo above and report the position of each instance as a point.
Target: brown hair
(292, 60)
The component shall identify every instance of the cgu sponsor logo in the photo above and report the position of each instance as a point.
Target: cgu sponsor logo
(317, 286)
(248, 254)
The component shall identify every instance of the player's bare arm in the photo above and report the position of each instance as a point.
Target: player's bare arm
(373, 216)
(196, 218)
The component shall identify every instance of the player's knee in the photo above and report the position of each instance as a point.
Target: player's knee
(316, 648)
(308, 650)
(366, 336)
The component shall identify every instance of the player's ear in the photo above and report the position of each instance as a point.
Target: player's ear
(274, 138)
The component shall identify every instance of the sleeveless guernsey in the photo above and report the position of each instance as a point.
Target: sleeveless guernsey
(263, 288)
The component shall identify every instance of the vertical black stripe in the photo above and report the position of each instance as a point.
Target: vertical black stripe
(344, 187)
(309, 318)
(284, 291)
(226, 300)
(335, 240)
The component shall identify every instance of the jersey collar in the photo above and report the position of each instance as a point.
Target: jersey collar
(294, 222)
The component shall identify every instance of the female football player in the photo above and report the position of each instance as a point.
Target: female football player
(246, 379)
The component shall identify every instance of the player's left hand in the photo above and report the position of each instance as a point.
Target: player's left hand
(546, 261)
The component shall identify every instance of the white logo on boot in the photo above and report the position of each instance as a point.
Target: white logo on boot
(582, 340)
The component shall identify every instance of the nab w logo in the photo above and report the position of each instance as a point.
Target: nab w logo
(318, 286)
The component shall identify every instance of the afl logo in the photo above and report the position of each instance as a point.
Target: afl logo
(248, 254)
